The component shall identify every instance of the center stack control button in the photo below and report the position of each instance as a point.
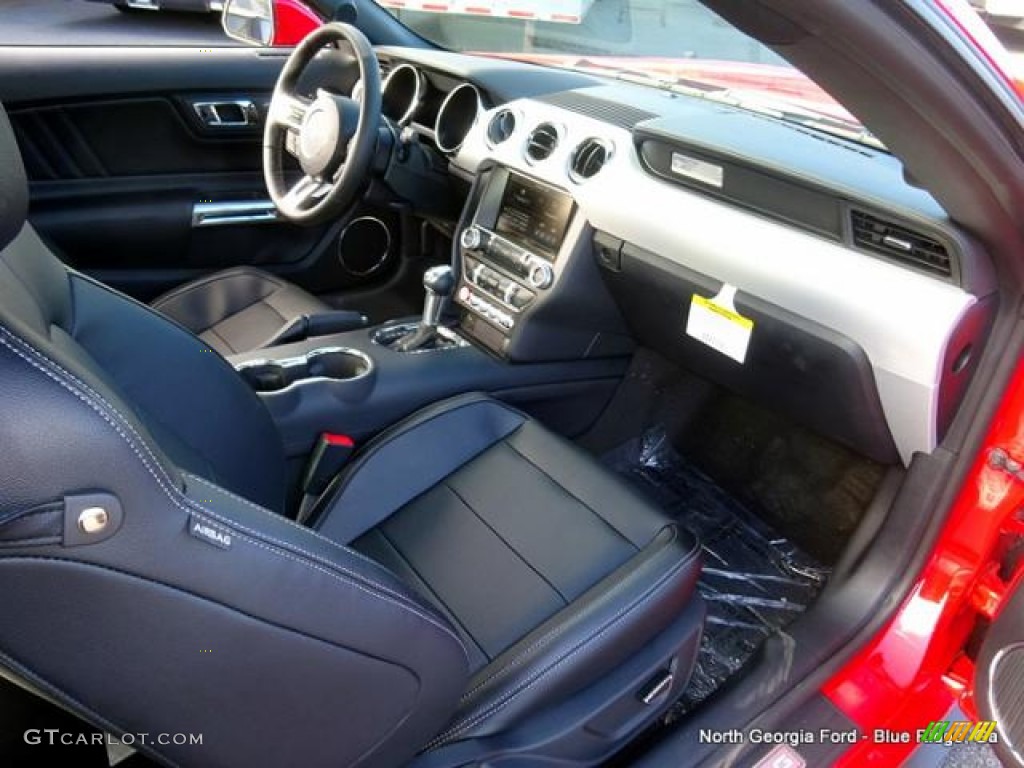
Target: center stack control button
(471, 238)
(541, 275)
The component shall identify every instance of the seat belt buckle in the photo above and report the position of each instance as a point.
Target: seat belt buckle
(329, 455)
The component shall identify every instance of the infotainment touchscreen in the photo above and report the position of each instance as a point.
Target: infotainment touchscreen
(533, 216)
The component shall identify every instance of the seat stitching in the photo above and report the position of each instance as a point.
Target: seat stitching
(269, 306)
(216, 277)
(213, 329)
(476, 719)
(395, 431)
(261, 300)
(241, 310)
(173, 493)
(298, 293)
(401, 555)
(159, 465)
(504, 541)
(553, 634)
(281, 518)
(567, 492)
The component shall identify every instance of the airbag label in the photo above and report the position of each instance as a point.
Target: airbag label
(205, 530)
(716, 322)
(692, 168)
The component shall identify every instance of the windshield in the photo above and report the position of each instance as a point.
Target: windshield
(674, 44)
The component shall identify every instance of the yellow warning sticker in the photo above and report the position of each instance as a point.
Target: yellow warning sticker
(716, 322)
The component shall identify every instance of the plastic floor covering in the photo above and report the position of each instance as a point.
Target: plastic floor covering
(755, 581)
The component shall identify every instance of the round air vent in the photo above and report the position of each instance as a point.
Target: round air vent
(589, 158)
(541, 142)
(501, 126)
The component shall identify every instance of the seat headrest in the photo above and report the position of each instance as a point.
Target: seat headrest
(13, 184)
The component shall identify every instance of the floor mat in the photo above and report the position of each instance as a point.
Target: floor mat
(808, 487)
(754, 581)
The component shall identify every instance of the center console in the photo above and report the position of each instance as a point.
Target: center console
(351, 383)
(528, 286)
(528, 291)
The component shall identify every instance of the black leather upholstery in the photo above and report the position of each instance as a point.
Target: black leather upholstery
(239, 309)
(570, 572)
(474, 581)
(153, 365)
(115, 628)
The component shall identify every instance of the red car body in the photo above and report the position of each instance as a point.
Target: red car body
(914, 669)
(293, 21)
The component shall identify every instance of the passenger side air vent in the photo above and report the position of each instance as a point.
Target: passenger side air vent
(588, 158)
(501, 126)
(541, 142)
(894, 241)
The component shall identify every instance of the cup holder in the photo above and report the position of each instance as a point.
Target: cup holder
(332, 364)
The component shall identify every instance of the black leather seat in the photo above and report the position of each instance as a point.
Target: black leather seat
(238, 310)
(551, 571)
(473, 588)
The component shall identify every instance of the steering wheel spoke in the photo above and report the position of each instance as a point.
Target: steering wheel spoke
(291, 142)
(304, 193)
(288, 111)
(333, 137)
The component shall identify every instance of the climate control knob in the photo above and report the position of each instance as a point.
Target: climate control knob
(471, 238)
(540, 275)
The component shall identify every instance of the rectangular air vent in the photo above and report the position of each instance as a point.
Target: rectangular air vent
(897, 242)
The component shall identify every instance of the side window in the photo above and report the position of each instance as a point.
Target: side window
(112, 23)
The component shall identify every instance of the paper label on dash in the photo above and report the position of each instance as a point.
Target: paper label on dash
(716, 322)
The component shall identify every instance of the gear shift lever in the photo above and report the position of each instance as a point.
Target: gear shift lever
(438, 283)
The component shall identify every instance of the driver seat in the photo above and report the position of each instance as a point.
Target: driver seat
(238, 310)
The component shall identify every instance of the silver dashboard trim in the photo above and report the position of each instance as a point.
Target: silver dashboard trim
(903, 320)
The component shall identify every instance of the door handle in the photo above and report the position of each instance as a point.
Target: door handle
(227, 113)
(225, 212)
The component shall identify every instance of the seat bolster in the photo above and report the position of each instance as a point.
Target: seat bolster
(602, 629)
(156, 364)
(13, 184)
(409, 458)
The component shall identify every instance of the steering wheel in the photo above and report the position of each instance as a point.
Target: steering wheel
(333, 137)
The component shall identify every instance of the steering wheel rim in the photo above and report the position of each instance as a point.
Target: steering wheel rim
(333, 137)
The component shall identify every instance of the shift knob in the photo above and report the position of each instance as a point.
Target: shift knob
(439, 283)
(439, 280)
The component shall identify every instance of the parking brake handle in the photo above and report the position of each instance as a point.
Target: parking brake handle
(320, 324)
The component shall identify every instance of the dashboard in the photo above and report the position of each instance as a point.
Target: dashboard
(800, 270)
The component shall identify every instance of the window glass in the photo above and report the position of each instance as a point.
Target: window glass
(112, 22)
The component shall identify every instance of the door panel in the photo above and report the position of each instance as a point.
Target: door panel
(124, 156)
